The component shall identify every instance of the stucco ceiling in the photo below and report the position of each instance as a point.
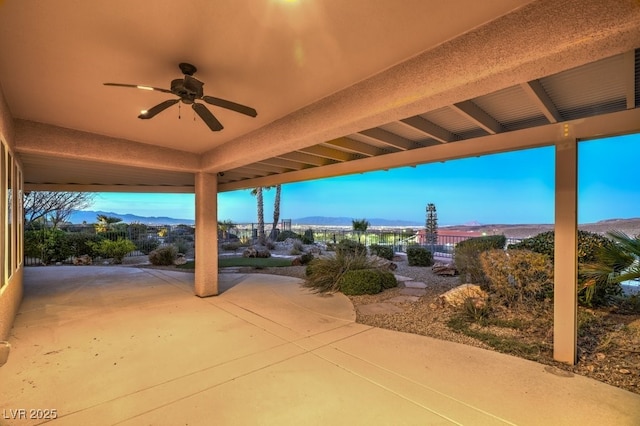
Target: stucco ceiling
(339, 86)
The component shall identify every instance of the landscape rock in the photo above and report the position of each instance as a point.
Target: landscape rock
(258, 252)
(383, 263)
(415, 284)
(180, 260)
(457, 296)
(85, 259)
(440, 268)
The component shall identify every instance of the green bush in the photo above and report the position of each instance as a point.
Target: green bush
(589, 244)
(388, 280)
(49, 245)
(287, 234)
(115, 250)
(182, 245)
(80, 243)
(466, 258)
(518, 277)
(385, 252)
(419, 256)
(350, 247)
(146, 245)
(234, 246)
(365, 281)
(323, 274)
(163, 256)
(308, 238)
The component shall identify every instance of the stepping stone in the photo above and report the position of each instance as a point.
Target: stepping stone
(414, 284)
(379, 308)
(403, 299)
(403, 279)
(413, 292)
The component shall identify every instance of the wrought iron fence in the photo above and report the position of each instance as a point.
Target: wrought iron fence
(46, 246)
(63, 245)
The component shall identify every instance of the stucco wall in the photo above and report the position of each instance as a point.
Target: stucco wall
(10, 298)
(10, 291)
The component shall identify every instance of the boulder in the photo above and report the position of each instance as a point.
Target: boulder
(457, 296)
(384, 263)
(440, 268)
(254, 251)
(180, 259)
(85, 259)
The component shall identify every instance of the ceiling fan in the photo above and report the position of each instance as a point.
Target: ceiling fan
(188, 90)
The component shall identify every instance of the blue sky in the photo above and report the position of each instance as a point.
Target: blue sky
(516, 187)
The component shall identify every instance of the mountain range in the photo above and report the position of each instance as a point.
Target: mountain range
(90, 216)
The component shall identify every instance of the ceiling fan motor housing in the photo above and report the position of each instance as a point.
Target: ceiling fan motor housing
(188, 89)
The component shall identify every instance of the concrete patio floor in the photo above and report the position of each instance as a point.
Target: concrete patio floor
(132, 346)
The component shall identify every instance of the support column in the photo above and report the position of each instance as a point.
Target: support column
(206, 274)
(565, 305)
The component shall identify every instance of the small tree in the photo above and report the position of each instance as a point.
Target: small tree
(105, 223)
(431, 225)
(115, 250)
(56, 207)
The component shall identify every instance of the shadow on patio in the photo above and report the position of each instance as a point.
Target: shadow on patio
(107, 345)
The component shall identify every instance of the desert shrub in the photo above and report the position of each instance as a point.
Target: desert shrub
(115, 250)
(307, 237)
(287, 234)
(387, 279)
(234, 246)
(362, 281)
(49, 245)
(323, 274)
(182, 245)
(163, 256)
(466, 257)
(350, 247)
(306, 258)
(297, 245)
(385, 252)
(518, 277)
(79, 243)
(589, 244)
(146, 245)
(419, 256)
(32, 243)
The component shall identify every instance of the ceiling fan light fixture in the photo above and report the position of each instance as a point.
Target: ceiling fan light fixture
(189, 89)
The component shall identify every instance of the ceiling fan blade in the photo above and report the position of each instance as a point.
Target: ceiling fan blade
(207, 117)
(158, 109)
(242, 109)
(138, 86)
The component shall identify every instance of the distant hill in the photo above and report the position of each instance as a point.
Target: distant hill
(347, 221)
(90, 216)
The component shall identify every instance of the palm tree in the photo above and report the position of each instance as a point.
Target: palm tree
(224, 227)
(614, 263)
(105, 222)
(360, 226)
(276, 213)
